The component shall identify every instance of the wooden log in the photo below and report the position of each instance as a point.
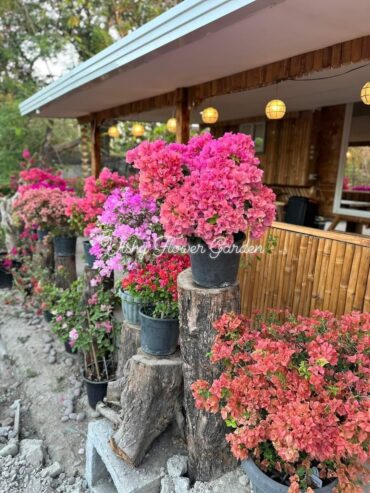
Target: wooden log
(65, 270)
(114, 390)
(209, 453)
(129, 345)
(152, 393)
(108, 413)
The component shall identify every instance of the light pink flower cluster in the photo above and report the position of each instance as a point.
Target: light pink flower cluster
(209, 189)
(44, 208)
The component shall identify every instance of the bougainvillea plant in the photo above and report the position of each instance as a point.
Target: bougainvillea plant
(127, 231)
(36, 178)
(89, 326)
(156, 284)
(209, 189)
(83, 211)
(295, 395)
(43, 208)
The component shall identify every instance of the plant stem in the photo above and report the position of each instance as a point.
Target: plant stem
(106, 368)
(95, 361)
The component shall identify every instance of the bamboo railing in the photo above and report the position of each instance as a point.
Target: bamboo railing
(307, 269)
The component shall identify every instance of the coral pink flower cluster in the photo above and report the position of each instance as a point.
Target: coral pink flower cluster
(84, 211)
(44, 208)
(295, 394)
(35, 178)
(209, 189)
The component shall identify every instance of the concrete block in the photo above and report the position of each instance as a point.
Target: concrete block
(106, 473)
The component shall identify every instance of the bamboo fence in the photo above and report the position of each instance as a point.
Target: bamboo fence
(307, 269)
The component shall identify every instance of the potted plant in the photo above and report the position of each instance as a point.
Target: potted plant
(48, 294)
(67, 312)
(84, 211)
(94, 335)
(45, 208)
(155, 284)
(293, 393)
(211, 194)
(127, 231)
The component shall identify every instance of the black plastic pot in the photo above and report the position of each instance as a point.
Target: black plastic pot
(96, 391)
(48, 317)
(213, 268)
(264, 484)
(89, 259)
(65, 246)
(158, 336)
(6, 279)
(68, 348)
(41, 233)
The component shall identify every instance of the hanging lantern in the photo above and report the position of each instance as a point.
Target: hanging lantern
(275, 109)
(171, 125)
(137, 130)
(365, 93)
(209, 115)
(114, 132)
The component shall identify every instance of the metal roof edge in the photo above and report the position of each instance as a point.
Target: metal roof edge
(173, 24)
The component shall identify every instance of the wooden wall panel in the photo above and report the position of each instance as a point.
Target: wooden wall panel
(308, 269)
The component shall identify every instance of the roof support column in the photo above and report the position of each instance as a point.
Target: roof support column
(95, 149)
(182, 115)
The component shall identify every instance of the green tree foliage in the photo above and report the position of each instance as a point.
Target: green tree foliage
(38, 30)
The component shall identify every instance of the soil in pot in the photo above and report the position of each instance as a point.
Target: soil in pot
(89, 258)
(215, 268)
(262, 483)
(158, 336)
(64, 246)
(97, 390)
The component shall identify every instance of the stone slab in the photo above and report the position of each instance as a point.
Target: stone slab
(104, 469)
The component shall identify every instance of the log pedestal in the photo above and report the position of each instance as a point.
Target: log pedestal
(209, 453)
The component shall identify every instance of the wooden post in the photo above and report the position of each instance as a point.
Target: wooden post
(95, 149)
(84, 151)
(182, 115)
(209, 453)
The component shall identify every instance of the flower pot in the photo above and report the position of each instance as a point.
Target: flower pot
(213, 268)
(48, 317)
(264, 484)
(6, 279)
(89, 259)
(68, 348)
(41, 234)
(130, 307)
(96, 391)
(65, 246)
(158, 336)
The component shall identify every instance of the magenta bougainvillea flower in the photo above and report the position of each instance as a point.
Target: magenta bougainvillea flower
(209, 189)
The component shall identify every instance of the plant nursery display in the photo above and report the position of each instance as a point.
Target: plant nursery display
(294, 395)
(155, 285)
(211, 193)
(127, 231)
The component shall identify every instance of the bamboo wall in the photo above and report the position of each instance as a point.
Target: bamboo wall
(308, 269)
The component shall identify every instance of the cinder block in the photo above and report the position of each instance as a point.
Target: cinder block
(106, 473)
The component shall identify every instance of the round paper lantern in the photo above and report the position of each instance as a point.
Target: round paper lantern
(171, 125)
(137, 130)
(114, 132)
(209, 115)
(275, 109)
(365, 93)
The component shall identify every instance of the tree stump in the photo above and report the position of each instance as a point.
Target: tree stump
(209, 453)
(151, 397)
(65, 271)
(128, 346)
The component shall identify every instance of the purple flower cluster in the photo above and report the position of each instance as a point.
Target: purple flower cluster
(126, 231)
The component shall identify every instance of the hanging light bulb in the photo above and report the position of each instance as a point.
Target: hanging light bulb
(114, 132)
(137, 130)
(275, 109)
(209, 115)
(365, 93)
(171, 125)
